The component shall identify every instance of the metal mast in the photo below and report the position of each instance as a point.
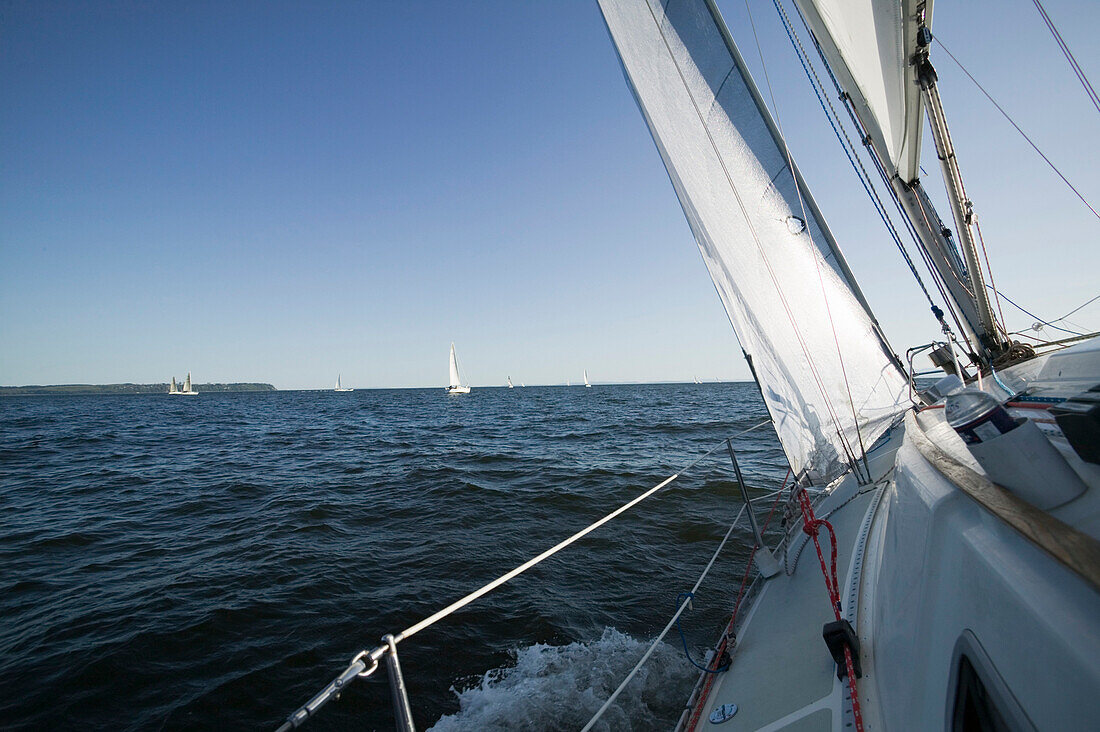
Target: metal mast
(961, 207)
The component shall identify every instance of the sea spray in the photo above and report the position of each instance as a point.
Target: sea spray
(550, 687)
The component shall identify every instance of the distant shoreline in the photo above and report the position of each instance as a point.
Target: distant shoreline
(54, 389)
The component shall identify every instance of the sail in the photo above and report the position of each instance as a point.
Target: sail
(827, 376)
(586, 378)
(454, 368)
(174, 388)
(187, 382)
(869, 45)
(338, 382)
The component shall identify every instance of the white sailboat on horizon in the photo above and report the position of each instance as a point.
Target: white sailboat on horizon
(187, 389)
(454, 385)
(963, 590)
(586, 383)
(341, 388)
(510, 386)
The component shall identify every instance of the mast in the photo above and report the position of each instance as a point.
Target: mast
(961, 207)
(877, 52)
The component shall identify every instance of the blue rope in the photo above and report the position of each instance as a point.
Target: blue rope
(679, 601)
(1031, 314)
(880, 209)
(1011, 393)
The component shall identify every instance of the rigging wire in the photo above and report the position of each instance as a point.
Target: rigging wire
(877, 164)
(992, 282)
(846, 143)
(1045, 322)
(1013, 123)
(1077, 70)
(1091, 300)
(802, 206)
(834, 417)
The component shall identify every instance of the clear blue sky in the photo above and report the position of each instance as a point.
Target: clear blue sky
(283, 191)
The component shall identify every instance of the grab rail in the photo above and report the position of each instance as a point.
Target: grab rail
(365, 663)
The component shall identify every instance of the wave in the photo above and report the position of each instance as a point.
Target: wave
(551, 687)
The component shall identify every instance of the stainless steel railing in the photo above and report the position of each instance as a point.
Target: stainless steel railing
(366, 662)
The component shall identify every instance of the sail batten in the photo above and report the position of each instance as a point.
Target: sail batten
(825, 372)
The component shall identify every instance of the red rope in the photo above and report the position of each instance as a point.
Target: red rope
(733, 618)
(811, 525)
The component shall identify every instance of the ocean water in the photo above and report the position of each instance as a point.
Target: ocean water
(212, 562)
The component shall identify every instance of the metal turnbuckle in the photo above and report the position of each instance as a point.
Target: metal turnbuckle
(362, 665)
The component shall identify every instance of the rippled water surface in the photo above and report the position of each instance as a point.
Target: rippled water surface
(214, 561)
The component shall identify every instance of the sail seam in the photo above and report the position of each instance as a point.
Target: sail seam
(756, 238)
(817, 264)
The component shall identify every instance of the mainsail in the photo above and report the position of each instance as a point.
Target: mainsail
(869, 45)
(828, 378)
(454, 368)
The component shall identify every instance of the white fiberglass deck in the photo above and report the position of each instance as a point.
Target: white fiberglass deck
(782, 676)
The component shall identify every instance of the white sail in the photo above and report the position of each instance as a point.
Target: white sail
(187, 382)
(454, 381)
(586, 378)
(174, 388)
(786, 288)
(510, 386)
(869, 45)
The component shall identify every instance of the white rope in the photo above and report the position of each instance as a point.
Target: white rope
(463, 602)
(358, 664)
(649, 652)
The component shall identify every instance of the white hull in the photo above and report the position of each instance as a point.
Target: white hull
(936, 563)
(458, 390)
(182, 393)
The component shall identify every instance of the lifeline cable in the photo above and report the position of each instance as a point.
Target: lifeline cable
(359, 664)
(645, 657)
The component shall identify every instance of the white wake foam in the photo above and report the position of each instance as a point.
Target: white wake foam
(561, 687)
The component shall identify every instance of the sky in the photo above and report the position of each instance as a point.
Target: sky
(283, 192)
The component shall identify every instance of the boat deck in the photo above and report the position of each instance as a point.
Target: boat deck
(782, 676)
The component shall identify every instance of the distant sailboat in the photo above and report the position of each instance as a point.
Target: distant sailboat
(341, 388)
(187, 390)
(455, 386)
(586, 384)
(696, 379)
(510, 386)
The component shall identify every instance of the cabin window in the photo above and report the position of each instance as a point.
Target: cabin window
(975, 711)
(978, 698)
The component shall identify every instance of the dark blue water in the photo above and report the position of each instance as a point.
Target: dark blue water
(214, 561)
